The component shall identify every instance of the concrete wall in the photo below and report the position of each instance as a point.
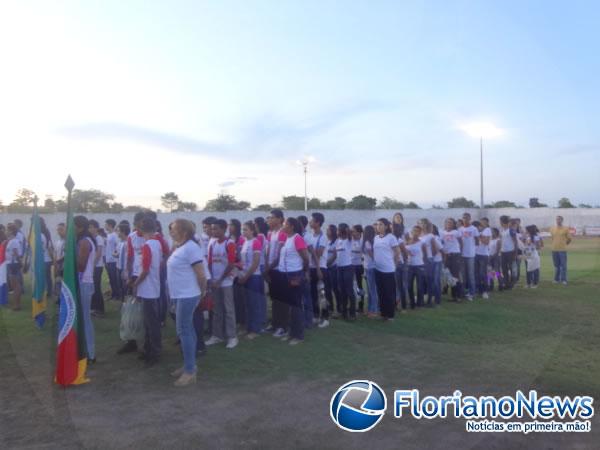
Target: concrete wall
(542, 217)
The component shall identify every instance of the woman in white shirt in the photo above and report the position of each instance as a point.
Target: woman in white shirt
(357, 262)
(386, 253)
(186, 280)
(13, 264)
(452, 248)
(367, 250)
(86, 255)
(251, 281)
(48, 255)
(343, 251)
(332, 288)
(416, 266)
(293, 264)
(98, 298)
(437, 266)
(401, 268)
(431, 249)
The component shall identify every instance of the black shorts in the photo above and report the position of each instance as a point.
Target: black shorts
(13, 269)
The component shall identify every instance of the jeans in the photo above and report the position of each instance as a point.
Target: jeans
(113, 278)
(294, 296)
(509, 269)
(332, 273)
(401, 277)
(239, 301)
(560, 266)
(346, 283)
(86, 290)
(494, 262)
(279, 308)
(481, 273)
(199, 328)
(314, 293)
(359, 272)
(152, 339)
(386, 293)
(307, 304)
(256, 307)
(224, 326)
(533, 277)
(372, 289)
(97, 297)
(428, 288)
(415, 274)
(469, 274)
(184, 323)
(453, 261)
(437, 281)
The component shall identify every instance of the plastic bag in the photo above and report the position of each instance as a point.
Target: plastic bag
(132, 320)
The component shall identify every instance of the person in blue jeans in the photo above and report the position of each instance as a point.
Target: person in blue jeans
(437, 266)
(369, 262)
(416, 267)
(186, 278)
(469, 235)
(251, 280)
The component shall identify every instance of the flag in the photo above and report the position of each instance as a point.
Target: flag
(38, 272)
(71, 354)
(3, 275)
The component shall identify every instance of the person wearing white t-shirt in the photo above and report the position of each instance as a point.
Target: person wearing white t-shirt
(98, 297)
(469, 235)
(357, 262)
(48, 254)
(275, 240)
(494, 261)
(187, 285)
(452, 247)
(343, 251)
(431, 249)
(482, 256)
(110, 257)
(438, 261)
(123, 231)
(386, 254)
(317, 243)
(147, 290)
(369, 262)
(401, 267)
(250, 278)
(508, 251)
(13, 264)
(331, 285)
(416, 267)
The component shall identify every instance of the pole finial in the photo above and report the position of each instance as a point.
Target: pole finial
(69, 184)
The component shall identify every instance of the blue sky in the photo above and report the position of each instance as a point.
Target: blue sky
(140, 98)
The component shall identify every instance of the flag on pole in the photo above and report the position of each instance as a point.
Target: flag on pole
(3, 275)
(38, 272)
(71, 354)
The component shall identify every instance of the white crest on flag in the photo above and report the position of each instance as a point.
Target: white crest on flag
(69, 303)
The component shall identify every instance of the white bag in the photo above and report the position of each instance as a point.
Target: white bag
(132, 320)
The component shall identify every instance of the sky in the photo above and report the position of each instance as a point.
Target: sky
(139, 98)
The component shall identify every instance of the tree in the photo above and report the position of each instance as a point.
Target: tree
(293, 203)
(187, 206)
(170, 201)
(117, 208)
(584, 205)
(461, 202)
(50, 204)
(436, 207)
(91, 200)
(503, 204)
(134, 208)
(226, 202)
(390, 203)
(263, 207)
(362, 202)
(314, 203)
(535, 203)
(411, 205)
(24, 197)
(336, 203)
(565, 203)
(61, 205)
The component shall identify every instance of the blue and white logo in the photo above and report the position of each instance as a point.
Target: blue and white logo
(358, 406)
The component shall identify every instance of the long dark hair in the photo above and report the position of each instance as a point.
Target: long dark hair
(344, 231)
(261, 225)
(237, 229)
(386, 223)
(296, 225)
(368, 236)
(83, 223)
(45, 232)
(333, 231)
(401, 225)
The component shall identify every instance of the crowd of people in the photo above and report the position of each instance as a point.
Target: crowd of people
(223, 272)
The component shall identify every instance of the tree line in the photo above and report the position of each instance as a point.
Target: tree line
(96, 201)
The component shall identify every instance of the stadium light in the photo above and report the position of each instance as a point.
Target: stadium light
(305, 162)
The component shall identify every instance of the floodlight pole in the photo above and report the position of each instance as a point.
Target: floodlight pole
(481, 169)
(305, 164)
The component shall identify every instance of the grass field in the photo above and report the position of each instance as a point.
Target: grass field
(265, 394)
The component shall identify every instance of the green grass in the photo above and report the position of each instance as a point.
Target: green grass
(546, 338)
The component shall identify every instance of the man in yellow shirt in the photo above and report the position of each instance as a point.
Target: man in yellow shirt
(561, 237)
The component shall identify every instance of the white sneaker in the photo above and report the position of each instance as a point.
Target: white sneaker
(232, 343)
(285, 337)
(295, 341)
(280, 332)
(469, 298)
(213, 340)
(564, 282)
(485, 295)
(315, 321)
(324, 323)
(534, 286)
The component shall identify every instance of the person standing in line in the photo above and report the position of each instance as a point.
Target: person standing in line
(469, 235)
(147, 290)
(275, 240)
(416, 267)
(121, 260)
(293, 264)
(561, 238)
(86, 258)
(59, 258)
(221, 260)
(186, 278)
(24, 253)
(14, 264)
(401, 274)
(386, 253)
(494, 251)
(98, 298)
(48, 255)
(250, 279)
(332, 288)
(343, 251)
(369, 262)
(508, 253)
(437, 266)
(452, 249)
(357, 263)
(532, 257)
(110, 257)
(307, 302)
(482, 256)
(317, 243)
(431, 249)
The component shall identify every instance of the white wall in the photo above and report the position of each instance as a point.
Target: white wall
(542, 217)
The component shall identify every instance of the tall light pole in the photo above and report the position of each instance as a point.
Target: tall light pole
(305, 163)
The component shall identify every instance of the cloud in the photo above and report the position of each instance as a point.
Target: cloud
(236, 180)
(263, 138)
